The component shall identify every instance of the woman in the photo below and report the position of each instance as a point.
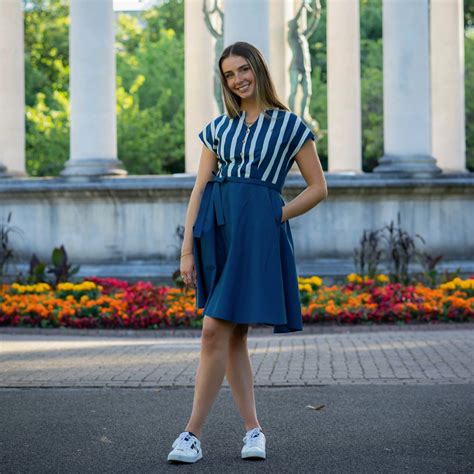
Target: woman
(239, 255)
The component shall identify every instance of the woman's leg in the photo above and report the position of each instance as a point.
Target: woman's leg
(240, 376)
(211, 370)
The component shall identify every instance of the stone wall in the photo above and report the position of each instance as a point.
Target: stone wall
(126, 226)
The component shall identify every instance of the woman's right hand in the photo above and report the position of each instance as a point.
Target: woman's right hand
(188, 270)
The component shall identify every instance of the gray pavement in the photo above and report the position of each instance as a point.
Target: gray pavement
(377, 357)
(360, 429)
(392, 399)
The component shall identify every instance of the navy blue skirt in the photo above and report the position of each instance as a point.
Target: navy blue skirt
(244, 255)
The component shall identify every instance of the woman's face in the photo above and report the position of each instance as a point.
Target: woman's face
(239, 76)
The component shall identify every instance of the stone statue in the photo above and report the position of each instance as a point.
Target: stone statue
(300, 67)
(216, 29)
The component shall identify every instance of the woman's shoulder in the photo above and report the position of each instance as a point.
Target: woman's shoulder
(292, 115)
(287, 116)
(211, 125)
(218, 118)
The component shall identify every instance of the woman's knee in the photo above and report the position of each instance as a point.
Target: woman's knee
(215, 333)
(239, 334)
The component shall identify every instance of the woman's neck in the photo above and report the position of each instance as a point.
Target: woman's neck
(252, 110)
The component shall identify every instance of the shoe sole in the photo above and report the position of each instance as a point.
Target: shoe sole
(179, 458)
(254, 454)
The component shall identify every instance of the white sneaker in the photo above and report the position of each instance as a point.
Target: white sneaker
(186, 448)
(254, 446)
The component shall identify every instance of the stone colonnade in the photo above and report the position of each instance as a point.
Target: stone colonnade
(424, 124)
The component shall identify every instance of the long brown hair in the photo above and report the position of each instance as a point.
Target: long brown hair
(267, 97)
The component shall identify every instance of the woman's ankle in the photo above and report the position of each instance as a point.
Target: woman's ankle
(252, 426)
(194, 431)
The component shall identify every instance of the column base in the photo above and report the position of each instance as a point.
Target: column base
(93, 167)
(409, 166)
(5, 173)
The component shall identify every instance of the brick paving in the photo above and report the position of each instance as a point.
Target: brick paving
(372, 357)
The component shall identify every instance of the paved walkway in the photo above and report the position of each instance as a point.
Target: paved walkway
(359, 429)
(374, 357)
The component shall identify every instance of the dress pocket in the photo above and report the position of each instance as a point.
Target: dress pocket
(276, 205)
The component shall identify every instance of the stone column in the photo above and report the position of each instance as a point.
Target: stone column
(200, 106)
(447, 84)
(279, 58)
(12, 90)
(343, 71)
(92, 89)
(248, 20)
(407, 102)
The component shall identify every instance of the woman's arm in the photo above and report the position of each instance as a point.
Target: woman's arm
(308, 162)
(207, 164)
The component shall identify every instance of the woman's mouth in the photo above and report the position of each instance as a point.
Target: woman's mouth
(244, 88)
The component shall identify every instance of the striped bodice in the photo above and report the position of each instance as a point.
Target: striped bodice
(265, 150)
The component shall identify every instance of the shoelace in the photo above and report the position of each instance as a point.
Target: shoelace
(253, 438)
(185, 441)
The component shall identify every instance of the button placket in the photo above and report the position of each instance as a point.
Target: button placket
(244, 142)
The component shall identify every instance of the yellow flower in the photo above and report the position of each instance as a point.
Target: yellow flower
(316, 280)
(354, 278)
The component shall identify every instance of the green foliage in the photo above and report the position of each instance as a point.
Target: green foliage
(151, 121)
(150, 88)
(46, 25)
(47, 137)
(6, 251)
(395, 247)
(371, 84)
(60, 268)
(46, 83)
(372, 102)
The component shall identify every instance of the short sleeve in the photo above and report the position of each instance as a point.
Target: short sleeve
(302, 134)
(208, 136)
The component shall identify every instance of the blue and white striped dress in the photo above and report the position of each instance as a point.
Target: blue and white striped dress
(264, 151)
(243, 253)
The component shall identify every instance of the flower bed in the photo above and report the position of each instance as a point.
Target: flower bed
(375, 300)
(109, 303)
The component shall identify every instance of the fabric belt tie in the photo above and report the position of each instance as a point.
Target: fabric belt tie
(212, 196)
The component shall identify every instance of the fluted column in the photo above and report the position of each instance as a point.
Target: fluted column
(92, 89)
(12, 89)
(447, 84)
(406, 81)
(344, 101)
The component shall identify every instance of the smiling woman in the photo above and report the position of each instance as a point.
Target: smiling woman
(238, 246)
(246, 76)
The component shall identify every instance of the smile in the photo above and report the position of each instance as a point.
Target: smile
(244, 88)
